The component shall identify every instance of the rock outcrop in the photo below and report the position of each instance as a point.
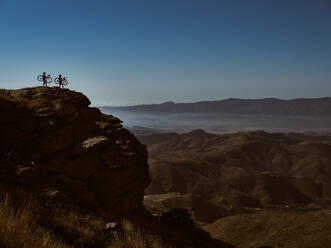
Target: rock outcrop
(54, 145)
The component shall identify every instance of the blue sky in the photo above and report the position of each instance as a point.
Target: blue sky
(150, 51)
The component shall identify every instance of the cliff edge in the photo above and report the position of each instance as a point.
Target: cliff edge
(54, 145)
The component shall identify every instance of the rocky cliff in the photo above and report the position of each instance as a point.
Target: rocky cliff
(54, 145)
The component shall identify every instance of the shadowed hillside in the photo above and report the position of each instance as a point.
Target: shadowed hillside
(252, 189)
(252, 170)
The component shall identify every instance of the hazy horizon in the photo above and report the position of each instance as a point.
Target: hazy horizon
(223, 123)
(212, 100)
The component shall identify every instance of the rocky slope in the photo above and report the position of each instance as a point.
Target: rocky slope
(56, 146)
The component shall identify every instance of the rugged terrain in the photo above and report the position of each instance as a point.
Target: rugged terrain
(74, 177)
(249, 189)
(68, 173)
(244, 169)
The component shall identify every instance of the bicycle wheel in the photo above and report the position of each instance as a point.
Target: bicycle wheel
(40, 78)
(49, 79)
(57, 81)
(65, 82)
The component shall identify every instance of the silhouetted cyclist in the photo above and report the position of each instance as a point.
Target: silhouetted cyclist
(46, 79)
(61, 81)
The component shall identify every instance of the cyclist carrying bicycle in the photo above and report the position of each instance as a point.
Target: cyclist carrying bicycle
(46, 79)
(61, 81)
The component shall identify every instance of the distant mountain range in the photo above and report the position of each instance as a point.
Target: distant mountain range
(300, 106)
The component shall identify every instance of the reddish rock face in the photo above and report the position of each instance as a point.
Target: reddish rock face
(51, 141)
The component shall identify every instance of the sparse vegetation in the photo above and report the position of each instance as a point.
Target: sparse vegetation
(18, 227)
(25, 226)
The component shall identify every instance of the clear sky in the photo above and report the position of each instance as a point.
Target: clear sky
(149, 51)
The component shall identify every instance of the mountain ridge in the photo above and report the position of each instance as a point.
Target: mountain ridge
(297, 106)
